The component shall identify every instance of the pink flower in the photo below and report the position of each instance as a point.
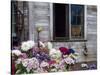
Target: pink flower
(44, 64)
(52, 62)
(23, 55)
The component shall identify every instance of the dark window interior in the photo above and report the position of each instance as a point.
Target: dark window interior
(60, 20)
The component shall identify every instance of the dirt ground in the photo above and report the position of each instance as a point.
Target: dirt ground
(92, 65)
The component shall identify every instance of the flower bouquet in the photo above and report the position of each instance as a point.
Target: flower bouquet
(33, 59)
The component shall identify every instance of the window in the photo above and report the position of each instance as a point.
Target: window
(68, 21)
(77, 21)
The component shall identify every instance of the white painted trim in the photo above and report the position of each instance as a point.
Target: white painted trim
(85, 22)
(51, 21)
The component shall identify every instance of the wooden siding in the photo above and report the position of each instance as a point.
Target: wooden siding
(39, 15)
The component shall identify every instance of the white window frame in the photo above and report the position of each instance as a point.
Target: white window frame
(51, 21)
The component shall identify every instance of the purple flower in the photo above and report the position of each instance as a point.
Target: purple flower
(42, 57)
(93, 66)
(69, 61)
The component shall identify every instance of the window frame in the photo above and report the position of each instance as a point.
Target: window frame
(84, 23)
(70, 39)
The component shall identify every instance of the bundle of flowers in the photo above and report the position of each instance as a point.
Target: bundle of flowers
(68, 53)
(33, 59)
(27, 65)
(27, 45)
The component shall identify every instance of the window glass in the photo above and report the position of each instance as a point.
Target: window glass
(77, 21)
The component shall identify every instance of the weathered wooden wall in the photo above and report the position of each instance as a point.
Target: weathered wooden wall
(92, 32)
(39, 15)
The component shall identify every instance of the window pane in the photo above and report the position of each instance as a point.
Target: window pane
(73, 20)
(77, 21)
(76, 13)
(76, 9)
(60, 13)
(76, 31)
(60, 20)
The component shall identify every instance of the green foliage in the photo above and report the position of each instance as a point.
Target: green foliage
(20, 69)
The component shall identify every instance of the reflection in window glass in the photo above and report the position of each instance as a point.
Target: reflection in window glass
(77, 21)
(76, 14)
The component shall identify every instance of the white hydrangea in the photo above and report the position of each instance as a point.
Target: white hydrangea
(49, 45)
(52, 51)
(16, 52)
(58, 54)
(31, 43)
(25, 62)
(55, 54)
(27, 45)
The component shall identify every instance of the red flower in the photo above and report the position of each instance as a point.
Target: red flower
(64, 50)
